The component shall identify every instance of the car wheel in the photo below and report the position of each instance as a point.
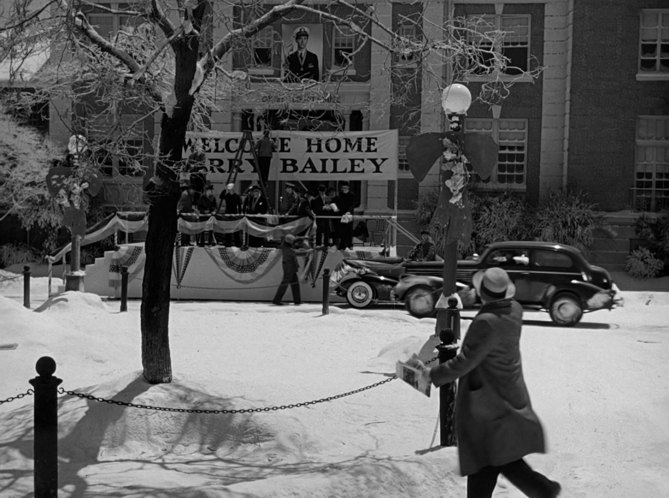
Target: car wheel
(565, 310)
(420, 301)
(360, 294)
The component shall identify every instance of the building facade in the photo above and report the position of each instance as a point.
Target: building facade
(595, 119)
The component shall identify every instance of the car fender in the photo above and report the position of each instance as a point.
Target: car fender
(409, 281)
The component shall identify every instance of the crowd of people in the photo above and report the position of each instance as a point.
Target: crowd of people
(331, 211)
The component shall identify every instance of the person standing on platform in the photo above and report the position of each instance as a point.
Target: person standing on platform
(206, 205)
(265, 150)
(255, 203)
(289, 201)
(320, 205)
(230, 203)
(494, 420)
(290, 268)
(346, 202)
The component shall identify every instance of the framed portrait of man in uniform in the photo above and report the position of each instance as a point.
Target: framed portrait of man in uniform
(302, 52)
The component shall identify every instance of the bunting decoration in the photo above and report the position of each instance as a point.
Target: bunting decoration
(132, 257)
(244, 265)
(182, 256)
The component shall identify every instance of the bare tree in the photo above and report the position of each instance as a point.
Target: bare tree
(162, 62)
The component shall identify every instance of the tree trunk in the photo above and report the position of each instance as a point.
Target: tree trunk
(159, 245)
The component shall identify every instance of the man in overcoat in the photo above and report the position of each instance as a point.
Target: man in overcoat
(495, 423)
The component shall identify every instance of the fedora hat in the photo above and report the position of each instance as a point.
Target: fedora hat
(493, 284)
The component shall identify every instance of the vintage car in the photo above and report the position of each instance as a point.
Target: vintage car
(552, 277)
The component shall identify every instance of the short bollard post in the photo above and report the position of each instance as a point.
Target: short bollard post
(26, 286)
(446, 351)
(46, 428)
(326, 291)
(124, 288)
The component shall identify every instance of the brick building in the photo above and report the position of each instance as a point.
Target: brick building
(596, 119)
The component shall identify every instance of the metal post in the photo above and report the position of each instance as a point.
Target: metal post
(46, 428)
(124, 288)
(447, 350)
(326, 291)
(26, 286)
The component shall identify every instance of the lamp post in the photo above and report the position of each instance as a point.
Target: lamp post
(452, 212)
(455, 101)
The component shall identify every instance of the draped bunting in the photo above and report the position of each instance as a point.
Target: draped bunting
(182, 256)
(133, 257)
(131, 222)
(244, 266)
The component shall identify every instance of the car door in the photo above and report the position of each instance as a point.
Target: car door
(515, 261)
(550, 268)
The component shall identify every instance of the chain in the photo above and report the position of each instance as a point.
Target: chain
(29, 392)
(223, 412)
(90, 397)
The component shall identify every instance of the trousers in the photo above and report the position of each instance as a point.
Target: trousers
(519, 473)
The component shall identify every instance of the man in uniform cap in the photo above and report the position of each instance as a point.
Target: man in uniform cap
(302, 64)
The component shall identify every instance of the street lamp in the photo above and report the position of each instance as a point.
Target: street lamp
(453, 214)
(455, 101)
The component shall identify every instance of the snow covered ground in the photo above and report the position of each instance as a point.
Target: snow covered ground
(601, 390)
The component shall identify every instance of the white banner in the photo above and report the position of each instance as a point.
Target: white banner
(305, 156)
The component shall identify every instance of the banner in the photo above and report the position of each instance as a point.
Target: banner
(303, 155)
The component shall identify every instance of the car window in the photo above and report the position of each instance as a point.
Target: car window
(508, 258)
(551, 259)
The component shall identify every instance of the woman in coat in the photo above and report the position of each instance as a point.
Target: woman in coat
(495, 424)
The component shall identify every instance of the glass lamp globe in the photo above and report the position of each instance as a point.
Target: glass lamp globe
(456, 99)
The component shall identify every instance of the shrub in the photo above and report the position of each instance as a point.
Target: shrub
(11, 254)
(642, 263)
(567, 218)
(497, 219)
(654, 235)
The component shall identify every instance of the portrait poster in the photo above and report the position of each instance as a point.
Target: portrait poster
(314, 45)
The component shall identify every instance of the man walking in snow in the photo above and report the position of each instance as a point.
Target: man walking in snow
(495, 423)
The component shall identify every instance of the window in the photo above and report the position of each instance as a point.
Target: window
(108, 24)
(343, 43)
(511, 170)
(552, 259)
(406, 44)
(403, 163)
(514, 44)
(509, 259)
(654, 43)
(262, 47)
(651, 169)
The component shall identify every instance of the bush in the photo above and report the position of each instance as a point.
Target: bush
(11, 254)
(654, 235)
(497, 219)
(566, 218)
(642, 263)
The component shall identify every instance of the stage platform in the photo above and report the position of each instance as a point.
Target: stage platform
(218, 273)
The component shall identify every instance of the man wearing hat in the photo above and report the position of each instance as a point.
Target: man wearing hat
(230, 203)
(494, 420)
(289, 201)
(301, 64)
(425, 250)
(346, 202)
(290, 267)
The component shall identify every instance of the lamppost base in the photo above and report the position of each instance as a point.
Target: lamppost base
(74, 281)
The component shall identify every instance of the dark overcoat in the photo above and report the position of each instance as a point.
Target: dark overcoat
(494, 420)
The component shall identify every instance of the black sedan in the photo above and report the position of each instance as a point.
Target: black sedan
(548, 276)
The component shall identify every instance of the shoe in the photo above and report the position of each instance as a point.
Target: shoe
(297, 304)
(555, 489)
(275, 303)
